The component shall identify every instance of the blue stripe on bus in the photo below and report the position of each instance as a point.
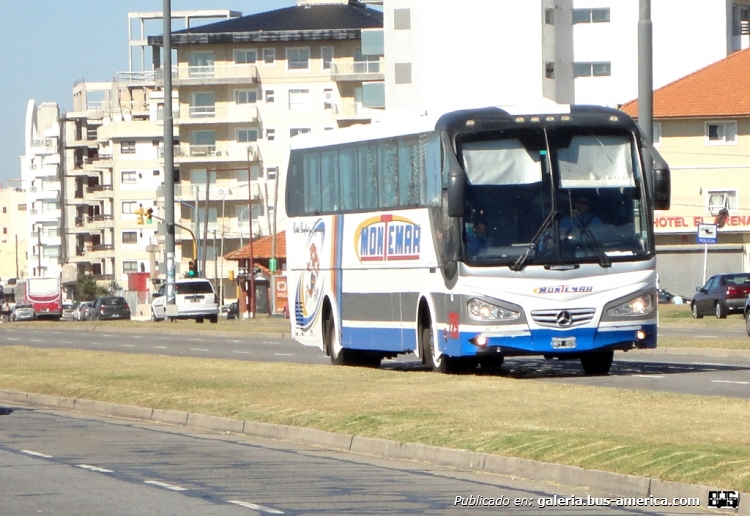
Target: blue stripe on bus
(540, 341)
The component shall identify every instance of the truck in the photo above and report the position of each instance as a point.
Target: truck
(43, 294)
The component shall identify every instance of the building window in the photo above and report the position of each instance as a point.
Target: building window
(549, 70)
(298, 58)
(245, 56)
(549, 16)
(50, 206)
(203, 104)
(269, 55)
(326, 56)
(591, 15)
(327, 99)
(271, 172)
(5, 231)
(298, 100)
(296, 131)
(247, 135)
(127, 147)
(270, 97)
(245, 96)
(401, 19)
(721, 133)
(402, 73)
(21, 207)
(129, 207)
(51, 252)
(270, 135)
(128, 177)
(129, 237)
(603, 69)
(718, 199)
(656, 134)
(129, 266)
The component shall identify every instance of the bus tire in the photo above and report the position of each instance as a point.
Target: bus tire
(340, 356)
(440, 364)
(597, 362)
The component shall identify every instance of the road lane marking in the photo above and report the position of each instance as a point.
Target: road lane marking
(198, 349)
(196, 340)
(164, 485)
(94, 468)
(730, 381)
(242, 352)
(705, 337)
(707, 363)
(128, 345)
(284, 354)
(160, 347)
(36, 454)
(136, 337)
(235, 341)
(654, 376)
(13, 338)
(270, 342)
(37, 340)
(256, 507)
(67, 342)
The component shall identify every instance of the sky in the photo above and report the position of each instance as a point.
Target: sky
(51, 44)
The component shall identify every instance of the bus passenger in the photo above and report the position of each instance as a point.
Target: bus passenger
(477, 240)
(581, 218)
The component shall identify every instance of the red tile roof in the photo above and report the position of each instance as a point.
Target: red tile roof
(720, 89)
(261, 248)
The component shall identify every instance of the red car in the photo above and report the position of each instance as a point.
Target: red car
(722, 295)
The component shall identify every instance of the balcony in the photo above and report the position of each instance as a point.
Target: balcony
(220, 114)
(358, 71)
(230, 73)
(99, 250)
(37, 216)
(220, 152)
(94, 222)
(99, 192)
(351, 110)
(45, 146)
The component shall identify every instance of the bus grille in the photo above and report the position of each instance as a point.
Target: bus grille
(565, 318)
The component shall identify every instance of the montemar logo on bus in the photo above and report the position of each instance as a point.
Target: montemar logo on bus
(388, 237)
(564, 289)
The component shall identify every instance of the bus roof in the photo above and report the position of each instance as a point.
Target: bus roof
(415, 120)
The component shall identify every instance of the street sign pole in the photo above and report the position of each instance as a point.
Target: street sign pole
(707, 234)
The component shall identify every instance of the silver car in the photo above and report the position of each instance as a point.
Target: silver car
(23, 313)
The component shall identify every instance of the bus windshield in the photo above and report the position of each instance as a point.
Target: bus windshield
(553, 196)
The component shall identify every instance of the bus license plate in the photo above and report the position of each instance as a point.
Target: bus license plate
(563, 342)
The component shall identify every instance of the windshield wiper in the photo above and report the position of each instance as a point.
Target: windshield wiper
(595, 246)
(521, 262)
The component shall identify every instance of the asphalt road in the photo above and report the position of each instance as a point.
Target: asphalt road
(68, 464)
(688, 374)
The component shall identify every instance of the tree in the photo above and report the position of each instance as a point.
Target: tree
(87, 290)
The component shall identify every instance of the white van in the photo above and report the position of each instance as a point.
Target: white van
(195, 299)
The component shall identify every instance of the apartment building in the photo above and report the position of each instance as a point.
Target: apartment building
(41, 180)
(13, 233)
(702, 128)
(569, 51)
(246, 86)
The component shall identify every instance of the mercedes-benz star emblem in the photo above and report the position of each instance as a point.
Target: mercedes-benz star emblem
(564, 318)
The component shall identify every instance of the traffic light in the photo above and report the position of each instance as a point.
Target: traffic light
(231, 275)
(192, 272)
(139, 215)
(149, 214)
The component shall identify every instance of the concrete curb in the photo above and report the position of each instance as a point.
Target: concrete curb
(615, 484)
(245, 332)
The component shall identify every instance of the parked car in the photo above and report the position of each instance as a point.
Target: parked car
(234, 311)
(82, 311)
(22, 313)
(68, 312)
(109, 308)
(224, 310)
(666, 297)
(195, 298)
(722, 295)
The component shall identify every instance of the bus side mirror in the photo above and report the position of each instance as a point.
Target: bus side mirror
(662, 188)
(456, 192)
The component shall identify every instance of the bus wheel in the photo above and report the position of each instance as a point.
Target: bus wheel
(434, 359)
(339, 355)
(597, 362)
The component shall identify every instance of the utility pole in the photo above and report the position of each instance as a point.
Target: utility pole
(205, 224)
(39, 248)
(169, 158)
(221, 278)
(17, 271)
(645, 74)
(251, 267)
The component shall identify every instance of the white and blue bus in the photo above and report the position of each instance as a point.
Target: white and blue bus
(464, 239)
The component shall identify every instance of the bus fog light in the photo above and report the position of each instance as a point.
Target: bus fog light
(483, 311)
(641, 305)
(479, 341)
(640, 334)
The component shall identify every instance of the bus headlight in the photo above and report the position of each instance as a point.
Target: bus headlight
(483, 311)
(640, 305)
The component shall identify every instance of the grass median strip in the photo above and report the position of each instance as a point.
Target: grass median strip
(674, 437)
